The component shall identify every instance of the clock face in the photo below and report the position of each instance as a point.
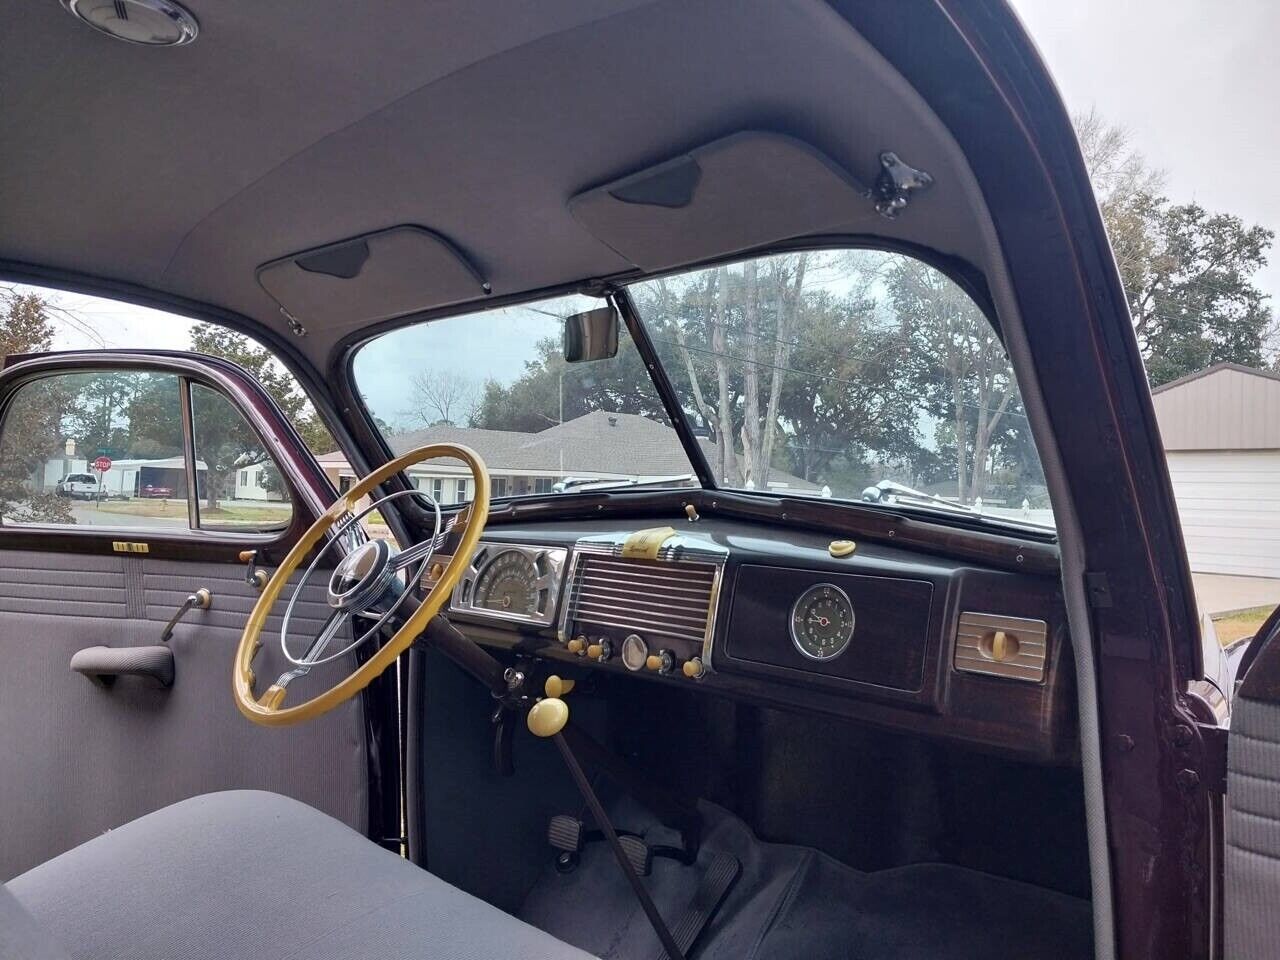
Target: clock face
(822, 622)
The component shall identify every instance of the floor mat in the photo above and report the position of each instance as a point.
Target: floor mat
(794, 903)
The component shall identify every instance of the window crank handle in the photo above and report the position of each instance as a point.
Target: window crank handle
(200, 600)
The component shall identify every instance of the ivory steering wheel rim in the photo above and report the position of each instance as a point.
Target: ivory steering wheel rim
(268, 708)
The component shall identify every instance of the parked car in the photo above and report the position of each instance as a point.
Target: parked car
(631, 720)
(77, 486)
(155, 492)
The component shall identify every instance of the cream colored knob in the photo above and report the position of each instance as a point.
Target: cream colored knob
(594, 651)
(548, 717)
(1004, 646)
(663, 661)
(841, 548)
(577, 645)
(693, 668)
(557, 686)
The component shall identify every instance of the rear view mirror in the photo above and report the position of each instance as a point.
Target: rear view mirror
(592, 335)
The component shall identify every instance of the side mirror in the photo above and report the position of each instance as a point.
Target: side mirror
(591, 336)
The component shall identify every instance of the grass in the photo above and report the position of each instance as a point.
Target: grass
(264, 515)
(1243, 623)
(178, 508)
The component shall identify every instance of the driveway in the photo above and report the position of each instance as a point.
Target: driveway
(1218, 593)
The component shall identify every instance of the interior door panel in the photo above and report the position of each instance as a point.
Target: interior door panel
(77, 758)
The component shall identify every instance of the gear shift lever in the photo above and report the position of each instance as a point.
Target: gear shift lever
(548, 719)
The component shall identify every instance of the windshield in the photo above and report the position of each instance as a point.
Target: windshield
(497, 381)
(851, 374)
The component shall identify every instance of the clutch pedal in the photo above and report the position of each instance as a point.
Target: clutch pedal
(566, 833)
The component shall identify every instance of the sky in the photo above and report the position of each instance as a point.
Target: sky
(1194, 82)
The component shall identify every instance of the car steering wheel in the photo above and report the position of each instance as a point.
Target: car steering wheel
(367, 581)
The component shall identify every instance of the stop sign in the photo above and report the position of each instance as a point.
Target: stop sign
(102, 464)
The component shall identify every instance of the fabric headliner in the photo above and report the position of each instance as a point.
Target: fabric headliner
(286, 126)
(246, 874)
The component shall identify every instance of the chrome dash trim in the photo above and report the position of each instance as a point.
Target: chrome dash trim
(552, 581)
(1028, 664)
(681, 551)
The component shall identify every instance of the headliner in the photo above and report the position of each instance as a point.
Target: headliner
(288, 125)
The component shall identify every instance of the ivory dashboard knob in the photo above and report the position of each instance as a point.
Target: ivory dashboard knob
(1004, 646)
(663, 661)
(577, 645)
(601, 651)
(693, 668)
(556, 686)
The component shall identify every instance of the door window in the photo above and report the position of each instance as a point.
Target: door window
(109, 449)
(95, 449)
(241, 486)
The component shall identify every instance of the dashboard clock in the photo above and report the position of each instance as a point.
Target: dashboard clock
(822, 622)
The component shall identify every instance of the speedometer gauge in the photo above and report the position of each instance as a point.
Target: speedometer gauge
(508, 584)
(822, 622)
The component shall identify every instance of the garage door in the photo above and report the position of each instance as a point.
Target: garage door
(1230, 508)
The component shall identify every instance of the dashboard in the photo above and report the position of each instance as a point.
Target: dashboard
(898, 637)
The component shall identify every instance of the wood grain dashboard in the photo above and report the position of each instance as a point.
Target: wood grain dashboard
(942, 648)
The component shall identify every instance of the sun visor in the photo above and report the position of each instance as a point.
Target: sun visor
(742, 191)
(374, 276)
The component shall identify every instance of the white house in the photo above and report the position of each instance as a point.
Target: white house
(1221, 432)
(252, 484)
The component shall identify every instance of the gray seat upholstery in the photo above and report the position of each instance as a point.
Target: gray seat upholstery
(247, 874)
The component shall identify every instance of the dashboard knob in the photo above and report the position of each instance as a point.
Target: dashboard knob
(600, 651)
(693, 668)
(577, 645)
(1004, 646)
(662, 661)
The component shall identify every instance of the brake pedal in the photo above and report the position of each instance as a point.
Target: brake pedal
(637, 852)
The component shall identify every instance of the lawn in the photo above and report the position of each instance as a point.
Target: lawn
(177, 508)
(1243, 623)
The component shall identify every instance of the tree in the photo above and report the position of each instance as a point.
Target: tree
(961, 367)
(552, 391)
(732, 334)
(441, 396)
(1191, 295)
(32, 428)
(1187, 273)
(218, 341)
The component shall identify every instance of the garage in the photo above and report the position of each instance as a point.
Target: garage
(1221, 432)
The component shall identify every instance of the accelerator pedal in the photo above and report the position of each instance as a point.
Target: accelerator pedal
(719, 879)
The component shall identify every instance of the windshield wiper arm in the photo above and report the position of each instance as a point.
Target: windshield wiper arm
(895, 490)
(578, 484)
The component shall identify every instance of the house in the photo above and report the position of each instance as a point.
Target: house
(596, 446)
(128, 477)
(256, 483)
(1221, 432)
